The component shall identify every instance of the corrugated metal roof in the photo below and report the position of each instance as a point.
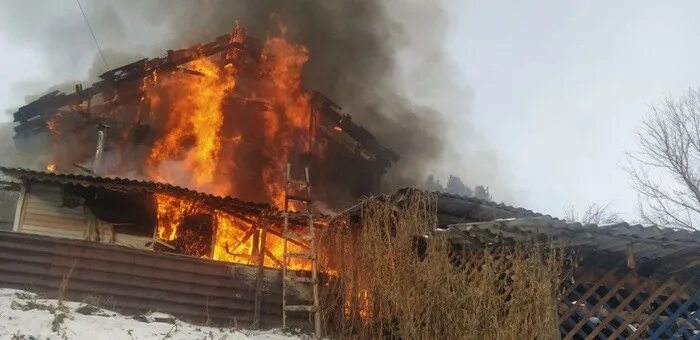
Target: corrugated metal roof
(471, 220)
(227, 203)
(649, 242)
(456, 209)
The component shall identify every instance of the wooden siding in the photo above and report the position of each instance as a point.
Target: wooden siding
(44, 214)
(8, 204)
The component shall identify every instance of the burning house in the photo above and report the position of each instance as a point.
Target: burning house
(84, 224)
(120, 162)
(132, 194)
(222, 117)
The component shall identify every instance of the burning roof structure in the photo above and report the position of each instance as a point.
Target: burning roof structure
(222, 117)
(154, 216)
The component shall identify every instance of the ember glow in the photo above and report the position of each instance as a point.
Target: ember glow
(51, 167)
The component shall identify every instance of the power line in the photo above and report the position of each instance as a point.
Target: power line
(94, 38)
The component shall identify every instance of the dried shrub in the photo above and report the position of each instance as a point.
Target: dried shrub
(385, 283)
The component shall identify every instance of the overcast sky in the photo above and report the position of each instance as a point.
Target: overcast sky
(557, 88)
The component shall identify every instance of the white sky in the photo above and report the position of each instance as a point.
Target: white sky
(559, 89)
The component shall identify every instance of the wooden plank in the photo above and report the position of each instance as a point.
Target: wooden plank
(53, 232)
(19, 209)
(50, 224)
(54, 220)
(592, 311)
(44, 209)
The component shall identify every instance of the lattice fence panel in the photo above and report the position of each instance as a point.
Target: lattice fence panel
(620, 304)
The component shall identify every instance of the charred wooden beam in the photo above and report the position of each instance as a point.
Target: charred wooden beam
(259, 279)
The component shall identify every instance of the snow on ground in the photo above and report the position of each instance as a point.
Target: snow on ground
(24, 316)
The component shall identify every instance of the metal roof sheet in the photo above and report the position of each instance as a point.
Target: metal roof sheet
(648, 242)
(228, 204)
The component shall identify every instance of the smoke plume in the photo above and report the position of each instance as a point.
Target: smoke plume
(381, 61)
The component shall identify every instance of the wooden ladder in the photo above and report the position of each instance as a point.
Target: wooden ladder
(310, 255)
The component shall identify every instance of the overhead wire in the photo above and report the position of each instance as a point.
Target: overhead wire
(92, 33)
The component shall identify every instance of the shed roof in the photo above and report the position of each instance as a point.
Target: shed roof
(227, 204)
(648, 242)
(469, 220)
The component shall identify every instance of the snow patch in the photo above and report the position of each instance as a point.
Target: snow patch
(25, 316)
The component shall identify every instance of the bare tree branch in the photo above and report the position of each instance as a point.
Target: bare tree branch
(594, 214)
(665, 169)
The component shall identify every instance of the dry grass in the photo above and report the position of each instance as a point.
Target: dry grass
(64, 282)
(383, 289)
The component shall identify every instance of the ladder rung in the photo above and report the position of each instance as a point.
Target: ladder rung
(303, 279)
(299, 198)
(298, 236)
(300, 308)
(300, 255)
(298, 183)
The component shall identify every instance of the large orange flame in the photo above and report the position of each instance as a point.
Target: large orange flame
(283, 63)
(196, 117)
(190, 150)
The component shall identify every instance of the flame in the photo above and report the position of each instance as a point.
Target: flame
(283, 63)
(200, 132)
(189, 153)
(232, 239)
(170, 211)
(196, 115)
(230, 243)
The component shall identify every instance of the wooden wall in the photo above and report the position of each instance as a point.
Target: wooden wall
(43, 213)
